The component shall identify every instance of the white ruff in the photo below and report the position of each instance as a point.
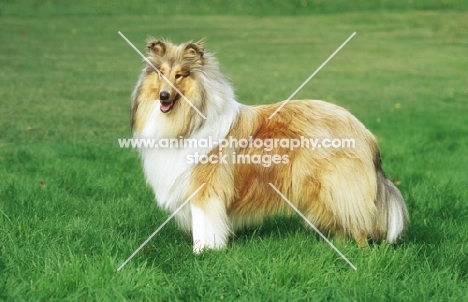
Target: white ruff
(167, 170)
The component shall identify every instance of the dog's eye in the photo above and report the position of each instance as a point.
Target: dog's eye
(178, 75)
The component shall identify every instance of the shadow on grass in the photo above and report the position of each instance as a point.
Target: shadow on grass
(277, 227)
(171, 249)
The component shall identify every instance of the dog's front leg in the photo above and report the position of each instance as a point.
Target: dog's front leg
(210, 227)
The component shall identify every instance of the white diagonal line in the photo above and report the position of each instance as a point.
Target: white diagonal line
(311, 76)
(160, 227)
(162, 75)
(313, 226)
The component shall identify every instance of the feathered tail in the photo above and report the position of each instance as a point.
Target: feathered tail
(392, 217)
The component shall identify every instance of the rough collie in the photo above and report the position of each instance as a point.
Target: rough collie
(343, 191)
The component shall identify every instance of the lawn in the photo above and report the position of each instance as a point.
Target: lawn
(74, 206)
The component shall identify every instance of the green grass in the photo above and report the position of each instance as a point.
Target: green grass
(74, 206)
(214, 7)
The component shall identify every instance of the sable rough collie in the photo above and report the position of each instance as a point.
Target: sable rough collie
(342, 191)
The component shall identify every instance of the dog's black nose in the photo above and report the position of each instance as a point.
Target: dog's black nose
(164, 95)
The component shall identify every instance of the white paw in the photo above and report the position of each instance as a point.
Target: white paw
(198, 247)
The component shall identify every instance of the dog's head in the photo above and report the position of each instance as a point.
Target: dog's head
(180, 87)
(176, 69)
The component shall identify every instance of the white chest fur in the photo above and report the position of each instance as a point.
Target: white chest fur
(168, 169)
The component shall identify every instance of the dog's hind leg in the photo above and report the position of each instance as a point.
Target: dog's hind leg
(210, 225)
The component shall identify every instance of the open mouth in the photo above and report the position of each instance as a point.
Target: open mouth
(166, 106)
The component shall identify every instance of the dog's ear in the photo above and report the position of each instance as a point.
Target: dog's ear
(156, 47)
(194, 50)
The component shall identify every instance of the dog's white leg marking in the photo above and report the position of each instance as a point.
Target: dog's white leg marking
(198, 228)
(209, 226)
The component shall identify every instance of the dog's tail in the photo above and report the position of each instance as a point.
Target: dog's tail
(392, 215)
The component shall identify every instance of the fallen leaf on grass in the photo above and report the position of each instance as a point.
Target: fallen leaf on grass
(395, 181)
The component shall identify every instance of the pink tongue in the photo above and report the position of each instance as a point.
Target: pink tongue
(165, 106)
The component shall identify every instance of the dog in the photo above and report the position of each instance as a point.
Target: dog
(182, 94)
